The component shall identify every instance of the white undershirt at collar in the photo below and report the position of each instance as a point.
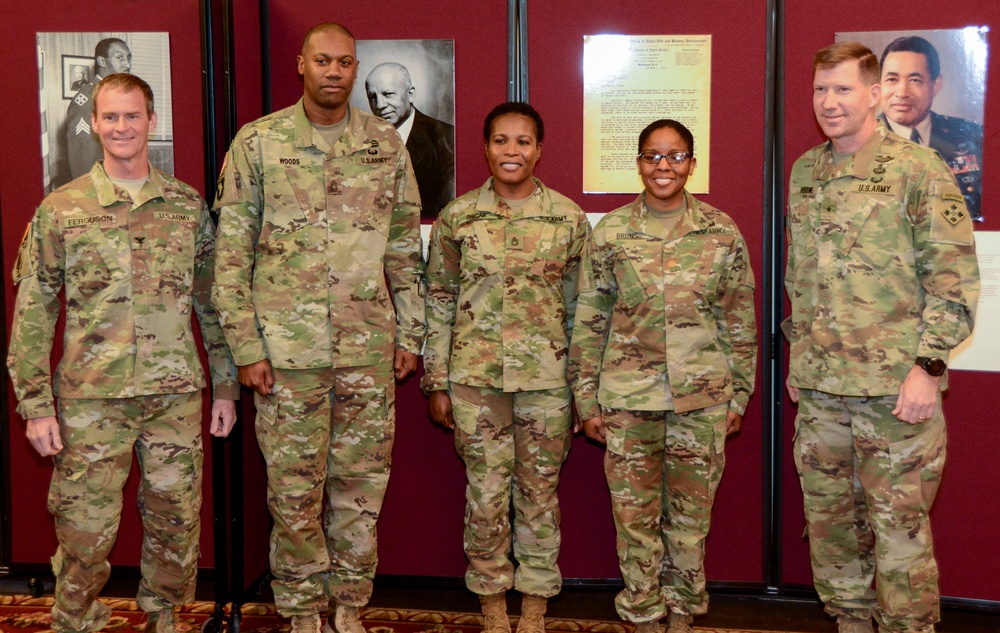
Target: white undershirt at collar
(404, 129)
(923, 128)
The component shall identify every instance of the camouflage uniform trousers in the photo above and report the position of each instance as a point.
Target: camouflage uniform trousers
(663, 469)
(85, 498)
(869, 481)
(513, 444)
(329, 428)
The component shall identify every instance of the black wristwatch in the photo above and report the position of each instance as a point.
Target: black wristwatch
(933, 366)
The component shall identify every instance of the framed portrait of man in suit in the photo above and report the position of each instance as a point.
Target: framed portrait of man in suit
(411, 84)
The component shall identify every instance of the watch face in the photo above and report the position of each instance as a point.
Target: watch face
(935, 366)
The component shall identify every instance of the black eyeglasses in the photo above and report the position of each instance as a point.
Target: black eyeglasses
(674, 158)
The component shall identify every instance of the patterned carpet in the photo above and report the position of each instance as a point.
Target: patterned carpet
(24, 614)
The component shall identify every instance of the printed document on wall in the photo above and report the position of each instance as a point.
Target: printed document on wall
(629, 81)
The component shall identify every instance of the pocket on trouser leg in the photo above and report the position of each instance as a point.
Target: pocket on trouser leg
(465, 413)
(267, 409)
(718, 456)
(484, 432)
(558, 419)
(265, 423)
(84, 494)
(916, 464)
(469, 439)
(553, 448)
(614, 435)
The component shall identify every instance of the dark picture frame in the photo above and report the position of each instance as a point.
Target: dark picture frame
(69, 65)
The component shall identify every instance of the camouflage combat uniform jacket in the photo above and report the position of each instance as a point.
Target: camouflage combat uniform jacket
(664, 317)
(319, 231)
(131, 273)
(502, 291)
(881, 266)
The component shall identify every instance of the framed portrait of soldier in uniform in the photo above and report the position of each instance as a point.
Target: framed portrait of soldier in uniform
(411, 84)
(76, 72)
(933, 92)
(69, 66)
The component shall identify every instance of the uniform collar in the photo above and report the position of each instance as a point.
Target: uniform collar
(692, 220)
(354, 135)
(488, 199)
(108, 195)
(857, 165)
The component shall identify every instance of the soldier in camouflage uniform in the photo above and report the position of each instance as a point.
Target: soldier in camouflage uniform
(662, 366)
(501, 296)
(318, 208)
(883, 283)
(132, 249)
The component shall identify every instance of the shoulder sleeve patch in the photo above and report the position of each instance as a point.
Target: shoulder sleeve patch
(220, 185)
(951, 222)
(24, 265)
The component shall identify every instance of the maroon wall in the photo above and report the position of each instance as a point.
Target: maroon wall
(966, 517)
(33, 539)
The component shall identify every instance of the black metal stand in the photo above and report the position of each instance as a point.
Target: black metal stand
(227, 528)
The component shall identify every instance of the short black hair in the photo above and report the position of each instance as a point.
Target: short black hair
(103, 47)
(326, 27)
(514, 107)
(676, 126)
(915, 44)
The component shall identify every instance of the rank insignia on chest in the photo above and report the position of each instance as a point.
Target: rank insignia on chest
(805, 191)
(139, 242)
(954, 213)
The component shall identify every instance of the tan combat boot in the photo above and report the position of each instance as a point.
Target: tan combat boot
(345, 619)
(648, 627)
(495, 613)
(680, 623)
(306, 623)
(852, 625)
(160, 622)
(532, 614)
